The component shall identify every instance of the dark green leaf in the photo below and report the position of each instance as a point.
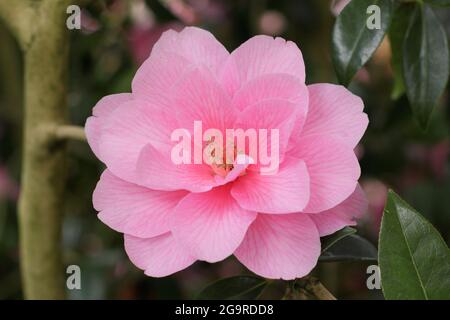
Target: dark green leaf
(397, 32)
(328, 241)
(425, 63)
(350, 248)
(442, 3)
(239, 287)
(353, 43)
(414, 259)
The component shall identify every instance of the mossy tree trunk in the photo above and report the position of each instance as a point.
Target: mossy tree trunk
(39, 26)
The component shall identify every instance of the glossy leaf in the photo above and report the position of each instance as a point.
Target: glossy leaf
(350, 248)
(413, 258)
(397, 32)
(425, 63)
(239, 287)
(328, 241)
(353, 42)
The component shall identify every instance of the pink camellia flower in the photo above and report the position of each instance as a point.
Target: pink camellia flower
(338, 5)
(174, 214)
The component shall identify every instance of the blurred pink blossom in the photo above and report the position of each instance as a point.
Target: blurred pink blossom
(433, 158)
(438, 157)
(211, 11)
(338, 5)
(141, 40)
(88, 23)
(183, 11)
(376, 193)
(8, 187)
(145, 31)
(272, 23)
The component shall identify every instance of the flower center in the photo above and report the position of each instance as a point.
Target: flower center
(220, 158)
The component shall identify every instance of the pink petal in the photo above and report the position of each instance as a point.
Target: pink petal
(134, 210)
(158, 74)
(156, 170)
(93, 131)
(344, 214)
(280, 246)
(128, 129)
(175, 53)
(159, 256)
(106, 105)
(284, 192)
(335, 111)
(262, 55)
(211, 225)
(196, 45)
(270, 86)
(269, 114)
(199, 97)
(333, 170)
(201, 47)
(101, 111)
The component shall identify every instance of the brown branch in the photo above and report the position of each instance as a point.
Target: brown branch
(69, 132)
(18, 17)
(312, 286)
